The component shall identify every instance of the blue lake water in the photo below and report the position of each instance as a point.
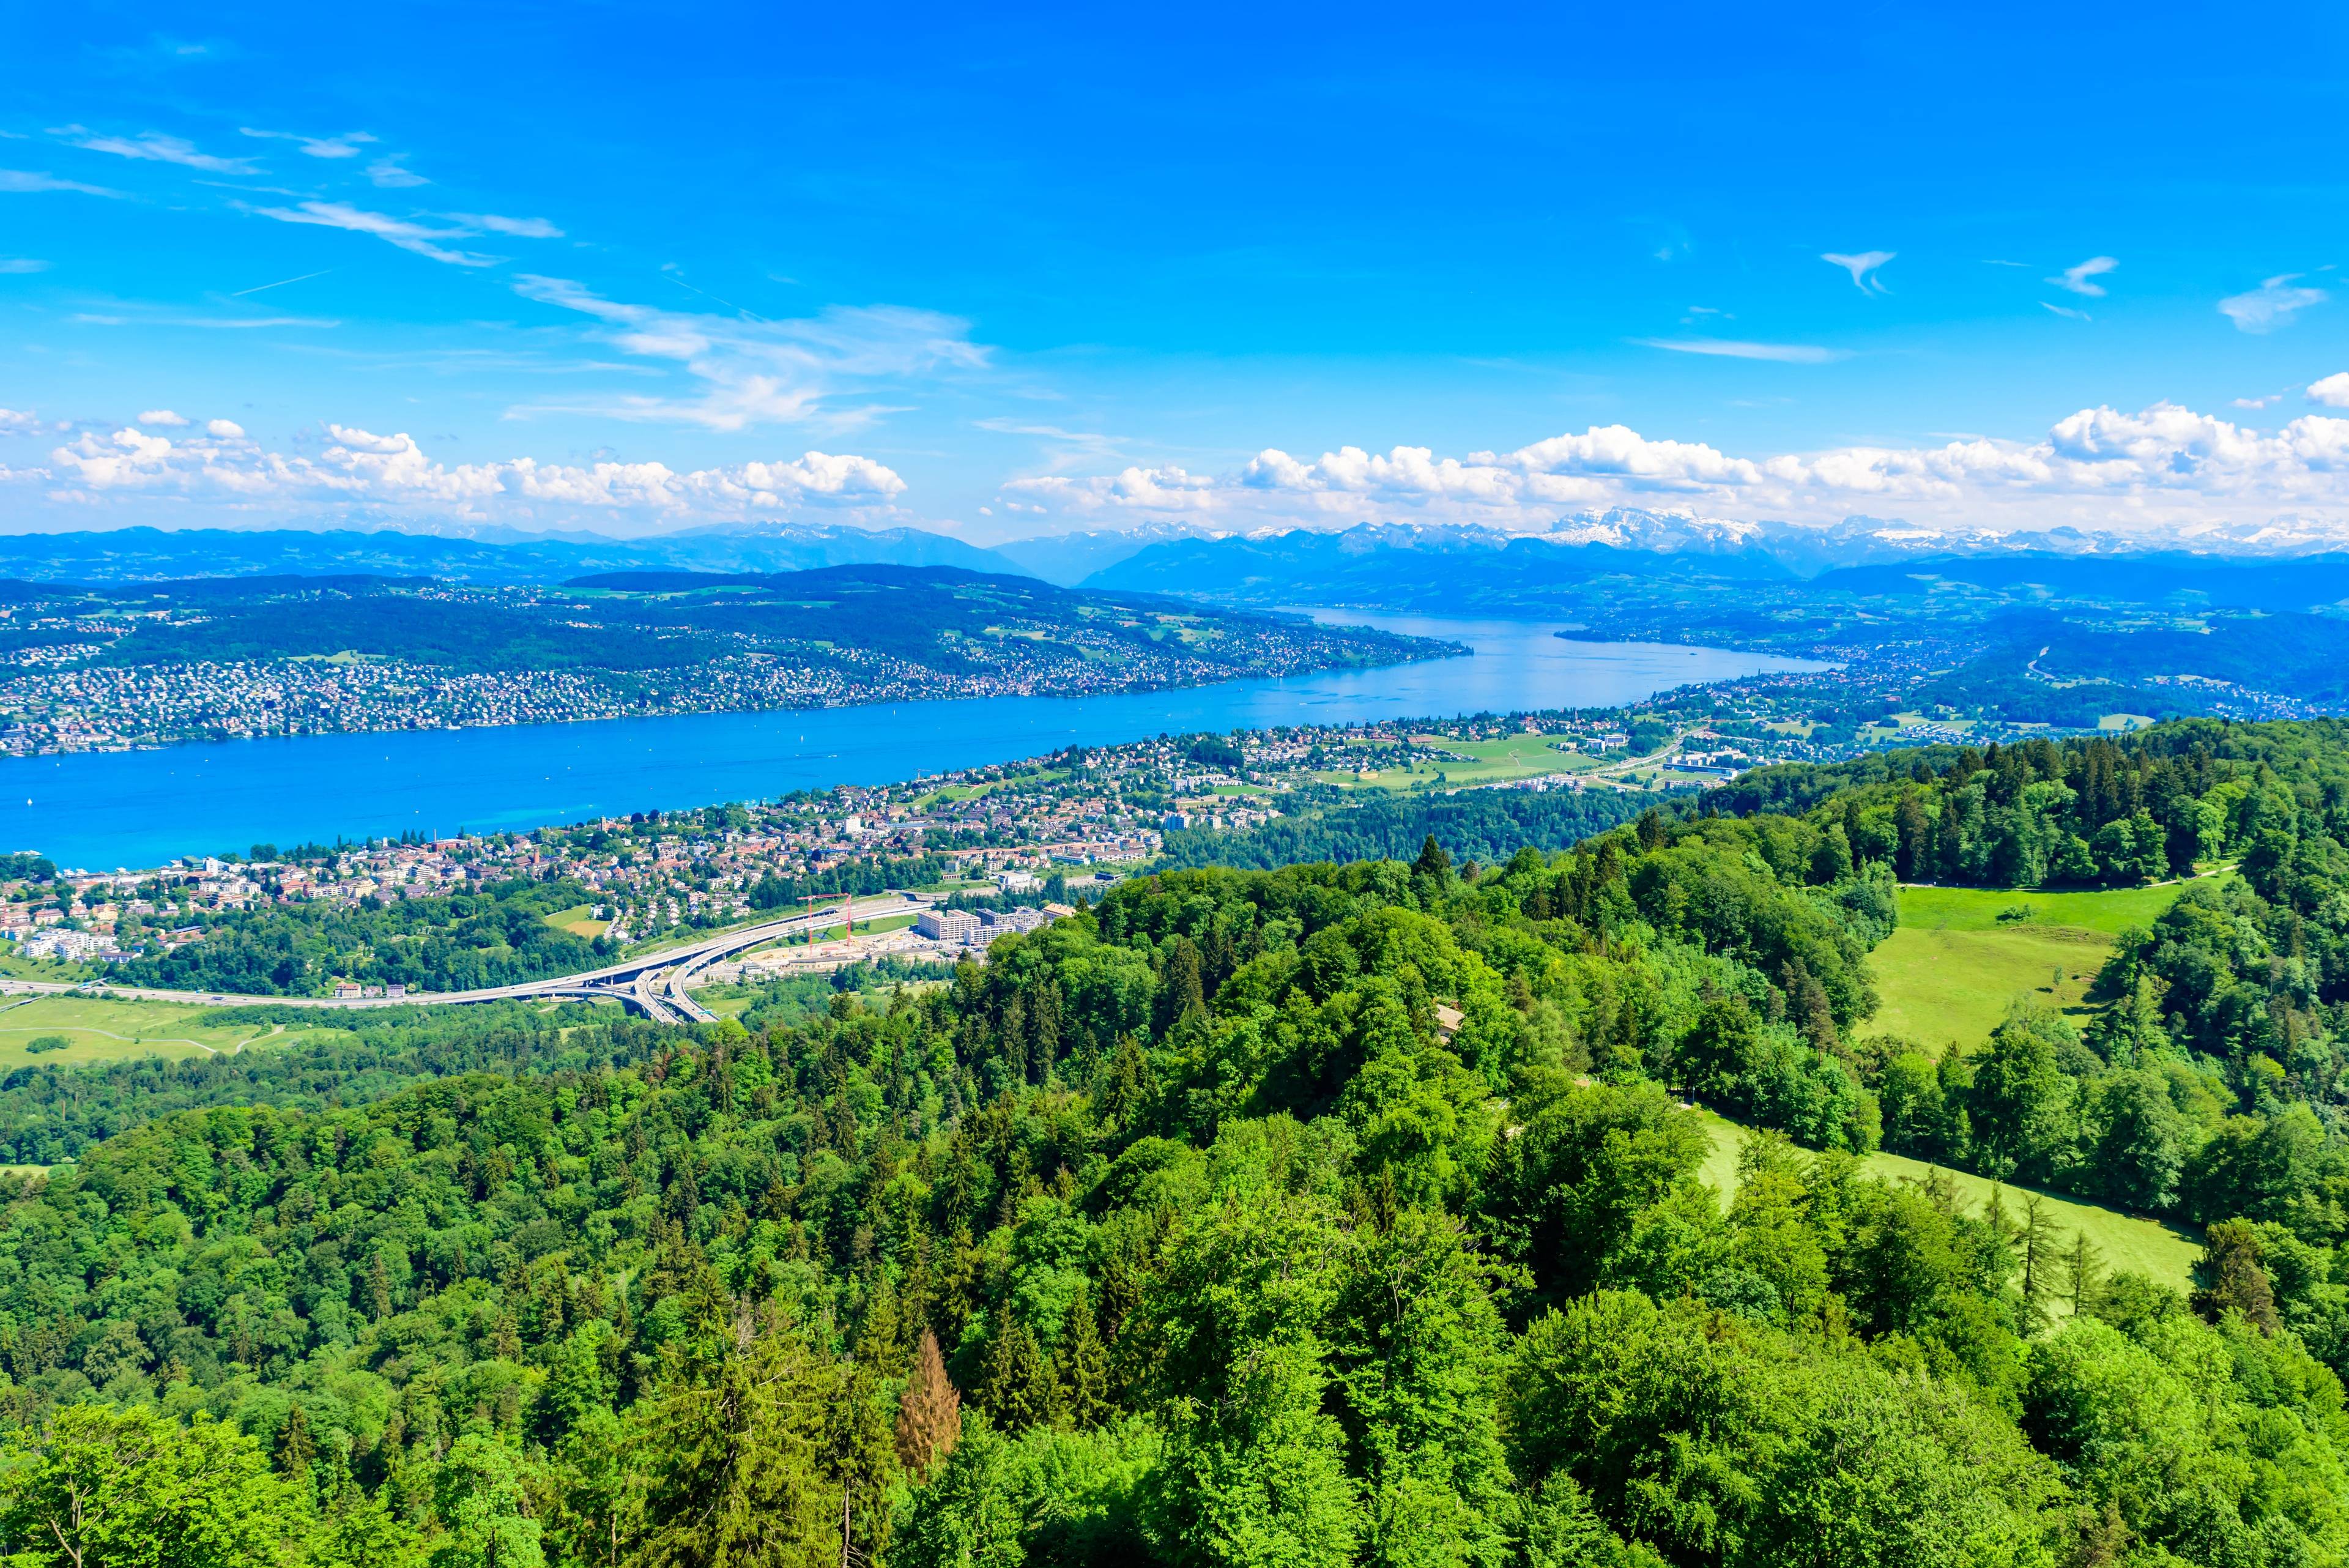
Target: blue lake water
(104, 810)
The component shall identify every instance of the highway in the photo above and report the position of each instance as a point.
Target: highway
(652, 984)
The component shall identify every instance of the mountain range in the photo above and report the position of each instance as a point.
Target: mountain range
(1368, 563)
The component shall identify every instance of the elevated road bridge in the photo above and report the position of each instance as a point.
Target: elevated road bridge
(652, 984)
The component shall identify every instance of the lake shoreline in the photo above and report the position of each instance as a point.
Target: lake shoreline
(100, 810)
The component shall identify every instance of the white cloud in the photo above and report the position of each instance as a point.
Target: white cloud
(2097, 467)
(366, 474)
(2076, 278)
(387, 174)
(154, 146)
(1862, 268)
(2331, 392)
(754, 372)
(217, 323)
(347, 145)
(17, 422)
(2272, 305)
(26, 181)
(523, 228)
(2067, 311)
(17, 266)
(408, 235)
(162, 417)
(1731, 349)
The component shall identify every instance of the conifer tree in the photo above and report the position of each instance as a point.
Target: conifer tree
(1084, 1367)
(929, 1415)
(296, 1448)
(2084, 1272)
(734, 1441)
(1020, 1390)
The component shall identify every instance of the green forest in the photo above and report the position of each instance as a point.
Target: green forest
(1323, 1214)
(465, 941)
(936, 617)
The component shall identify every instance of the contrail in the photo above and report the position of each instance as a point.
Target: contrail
(281, 282)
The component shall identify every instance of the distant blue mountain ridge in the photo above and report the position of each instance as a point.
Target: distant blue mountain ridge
(1392, 566)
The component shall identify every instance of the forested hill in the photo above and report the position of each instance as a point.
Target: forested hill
(1324, 1215)
(935, 617)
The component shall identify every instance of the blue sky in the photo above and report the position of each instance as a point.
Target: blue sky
(633, 268)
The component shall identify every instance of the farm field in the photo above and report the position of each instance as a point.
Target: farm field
(100, 1028)
(2126, 1243)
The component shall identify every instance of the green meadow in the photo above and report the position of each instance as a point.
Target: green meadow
(2125, 1243)
(102, 1028)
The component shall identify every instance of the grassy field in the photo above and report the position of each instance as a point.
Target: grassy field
(2161, 1252)
(1952, 970)
(1978, 908)
(579, 921)
(98, 1029)
(1937, 987)
(1486, 762)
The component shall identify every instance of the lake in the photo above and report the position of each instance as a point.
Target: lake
(121, 809)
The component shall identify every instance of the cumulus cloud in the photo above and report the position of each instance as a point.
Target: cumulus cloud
(2077, 278)
(1732, 349)
(363, 472)
(1862, 268)
(154, 146)
(2272, 305)
(753, 371)
(2100, 466)
(17, 422)
(2331, 392)
(162, 417)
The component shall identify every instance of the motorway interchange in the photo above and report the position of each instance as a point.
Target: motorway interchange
(652, 984)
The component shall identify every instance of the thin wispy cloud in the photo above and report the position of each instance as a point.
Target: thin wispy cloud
(1070, 448)
(388, 175)
(1734, 349)
(347, 145)
(1863, 268)
(2066, 310)
(26, 181)
(2272, 305)
(207, 323)
(281, 282)
(408, 235)
(2080, 279)
(154, 146)
(17, 266)
(753, 371)
(521, 228)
